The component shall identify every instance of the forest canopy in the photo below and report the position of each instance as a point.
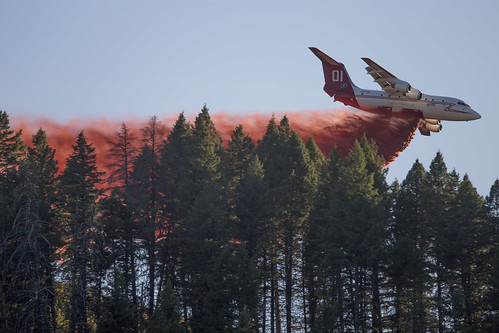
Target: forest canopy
(187, 233)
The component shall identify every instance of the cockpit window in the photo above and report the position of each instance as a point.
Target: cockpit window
(462, 103)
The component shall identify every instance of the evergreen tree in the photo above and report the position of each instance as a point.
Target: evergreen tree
(43, 168)
(491, 315)
(122, 152)
(253, 225)
(173, 172)
(315, 155)
(359, 212)
(322, 261)
(166, 316)
(240, 149)
(470, 245)
(441, 188)
(252, 208)
(78, 195)
(29, 259)
(117, 218)
(204, 161)
(379, 226)
(118, 313)
(12, 149)
(120, 233)
(348, 226)
(203, 214)
(11, 145)
(147, 197)
(410, 246)
(289, 171)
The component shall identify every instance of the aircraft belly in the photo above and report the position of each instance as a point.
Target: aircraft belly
(380, 105)
(374, 104)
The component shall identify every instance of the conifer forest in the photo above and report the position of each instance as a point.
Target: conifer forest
(187, 233)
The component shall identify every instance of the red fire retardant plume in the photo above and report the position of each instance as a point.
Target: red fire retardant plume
(338, 128)
(329, 128)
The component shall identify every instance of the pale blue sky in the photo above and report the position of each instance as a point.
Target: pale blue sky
(121, 59)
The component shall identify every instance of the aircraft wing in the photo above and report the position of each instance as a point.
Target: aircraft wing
(391, 84)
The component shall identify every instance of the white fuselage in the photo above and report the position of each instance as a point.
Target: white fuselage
(430, 107)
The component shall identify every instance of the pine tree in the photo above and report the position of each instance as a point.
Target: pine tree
(440, 190)
(253, 227)
(122, 152)
(11, 145)
(203, 214)
(120, 233)
(240, 149)
(471, 243)
(379, 226)
(411, 244)
(78, 195)
(118, 314)
(289, 171)
(147, 197)
(491, 315)
(12, 150)
(117, 219)
(322, 261)
(28, 259)
(43, 167)
(252, 208)
(348, 229)
(166, 316)
(204, 164)
(173, 172)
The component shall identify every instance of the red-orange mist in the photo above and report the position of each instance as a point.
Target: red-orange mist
(329, 128)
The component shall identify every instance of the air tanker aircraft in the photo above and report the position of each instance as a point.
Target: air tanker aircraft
(397, 96)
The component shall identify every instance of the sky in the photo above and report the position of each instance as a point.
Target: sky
(119, 60)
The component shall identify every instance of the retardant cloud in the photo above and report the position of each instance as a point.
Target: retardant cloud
(329, 128)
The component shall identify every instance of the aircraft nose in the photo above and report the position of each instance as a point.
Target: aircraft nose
(474, 115)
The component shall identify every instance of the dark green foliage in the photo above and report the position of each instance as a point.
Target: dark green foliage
(11, 145)
(492, 295)
(345, 245)
(166, 316)
(117, 312)
(147, 199)
(195, 236)
(77, 209)
(252, 208)
(289, 173)
(409, 250)
(11, 151)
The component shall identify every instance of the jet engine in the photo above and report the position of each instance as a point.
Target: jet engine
(414, 94)
(432, 125)
(402, 86)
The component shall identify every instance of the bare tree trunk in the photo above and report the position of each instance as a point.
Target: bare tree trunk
(356, 304)
(277, 309)
(265, 289)
(376, 315)
(272, 297)
(440, 310)
(288, 267)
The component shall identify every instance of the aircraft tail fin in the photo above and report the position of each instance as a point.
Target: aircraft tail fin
(337, 80)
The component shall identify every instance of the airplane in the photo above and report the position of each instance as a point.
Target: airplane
(398, 96)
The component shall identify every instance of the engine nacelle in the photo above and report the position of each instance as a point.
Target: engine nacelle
(432, 121)
(433, 127)
(402, 86)
(414, 94)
